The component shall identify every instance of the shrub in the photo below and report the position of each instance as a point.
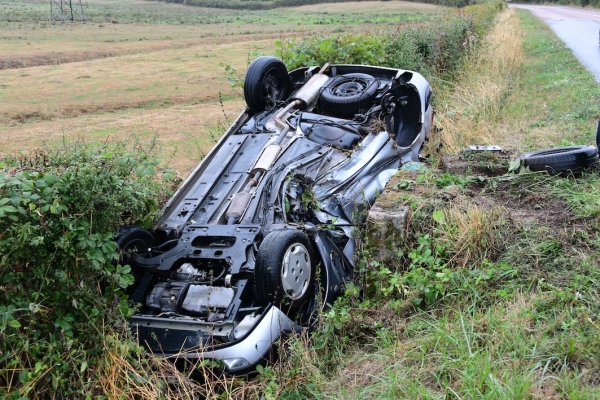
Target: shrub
(270, 4)
(434, 49)
(61, 287)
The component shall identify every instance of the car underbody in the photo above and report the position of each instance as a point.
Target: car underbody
(261, 234)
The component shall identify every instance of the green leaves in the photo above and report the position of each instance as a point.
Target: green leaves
(14, 324)
(234, 77)
(346, 49)
(61, 287)
(8, 211)
(446, 180)
(123, 276)
(8, 318)
(434, 48)
(64, 322)
(438, 216)
(515, 165)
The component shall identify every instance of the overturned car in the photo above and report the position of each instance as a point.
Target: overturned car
(260, 235)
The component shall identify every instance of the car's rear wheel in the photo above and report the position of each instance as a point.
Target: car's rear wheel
(285, 270)
(346, 95)
(267, 82)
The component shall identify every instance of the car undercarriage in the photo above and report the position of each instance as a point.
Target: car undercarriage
(261, 234)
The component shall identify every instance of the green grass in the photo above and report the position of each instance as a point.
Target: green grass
(558, 100)
(114, 11)
(519, 321)
(102, 133)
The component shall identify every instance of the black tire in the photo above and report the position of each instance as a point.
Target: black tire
(347, 94)
(267, 82)
(598, 135)
(133, 240)
(285, 270)
(562, 159)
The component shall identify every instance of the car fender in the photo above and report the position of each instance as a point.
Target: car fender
(336, 267)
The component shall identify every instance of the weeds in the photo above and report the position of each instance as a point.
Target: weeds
(61, 285)
(492, 291)
(469, 113)
(434, 49)
(473, 233)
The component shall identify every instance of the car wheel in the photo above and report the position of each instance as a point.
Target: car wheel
(130, 241)
(133, 240)
(285, 270)
(267, 82)
(347, 94)
(561, 159)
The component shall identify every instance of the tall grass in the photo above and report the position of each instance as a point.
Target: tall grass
(121, 376)
(471, 232)
(470, 112)
(580, 3)
(270, 4)
(511, 261)
(435, 49)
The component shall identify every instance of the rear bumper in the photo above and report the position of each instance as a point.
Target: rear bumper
(249, 350)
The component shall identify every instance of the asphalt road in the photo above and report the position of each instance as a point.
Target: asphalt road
(577, 27)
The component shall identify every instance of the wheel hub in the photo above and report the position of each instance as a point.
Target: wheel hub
(349, 88)
(295, 271)
(271, 88)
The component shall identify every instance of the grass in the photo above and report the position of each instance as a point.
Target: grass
(509, 107)
(114, 11)
(148, 69)
(512, 258)
(470, 113)
(552, 72)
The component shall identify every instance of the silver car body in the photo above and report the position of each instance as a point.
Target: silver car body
(293, 166)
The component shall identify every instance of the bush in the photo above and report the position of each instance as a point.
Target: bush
(61, 288)
(270, 4)
(434, 49)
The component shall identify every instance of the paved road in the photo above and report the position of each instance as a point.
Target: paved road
(577, 27)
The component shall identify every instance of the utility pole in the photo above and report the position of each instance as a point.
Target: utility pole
(66, 10)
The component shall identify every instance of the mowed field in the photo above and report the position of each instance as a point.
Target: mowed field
(150, 70)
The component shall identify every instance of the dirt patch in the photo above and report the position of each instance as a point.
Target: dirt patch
(530, 209)
(361, 372)
(477, 162)
(526, 205)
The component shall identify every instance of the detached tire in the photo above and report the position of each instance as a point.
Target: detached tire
(347, 94)
(285, 270)
(267, 82)
(562, 159)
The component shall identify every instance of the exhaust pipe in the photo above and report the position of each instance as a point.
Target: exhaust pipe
(304, 98)
(309, 92)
